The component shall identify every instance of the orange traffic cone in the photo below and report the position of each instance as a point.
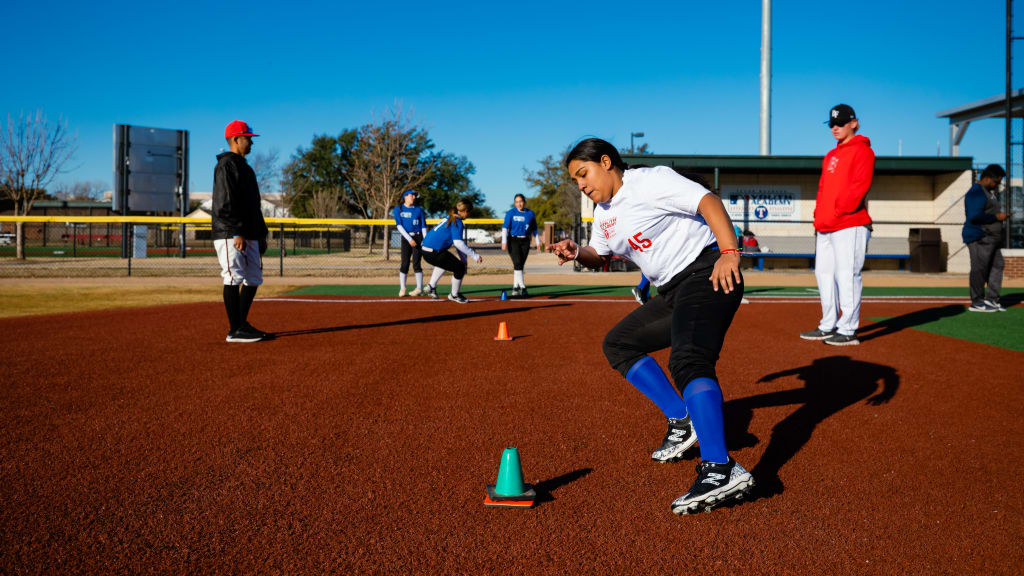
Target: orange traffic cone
(503, 333)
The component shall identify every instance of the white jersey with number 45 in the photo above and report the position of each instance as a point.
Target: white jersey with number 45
(653, 221)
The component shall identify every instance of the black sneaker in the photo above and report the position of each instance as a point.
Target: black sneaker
(516, 292)
(523, 293)
(255, 330)
(817, 334)
(429, 290)
(641, 297)
(842, 340)
(458, 298)
(243, 334)
(716, 484)
(678, 439)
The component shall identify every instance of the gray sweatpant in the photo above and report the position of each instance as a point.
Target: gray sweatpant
(986, 267)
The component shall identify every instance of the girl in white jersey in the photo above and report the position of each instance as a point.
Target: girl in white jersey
(680, 236)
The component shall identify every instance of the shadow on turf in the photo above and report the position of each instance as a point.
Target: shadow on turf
(830, 384)
(1012, 299)
(424, 320)
(909, 320)
(544, 488)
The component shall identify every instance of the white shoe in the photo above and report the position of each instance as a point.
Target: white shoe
(401, 292)
(995, 304)
(416, 292)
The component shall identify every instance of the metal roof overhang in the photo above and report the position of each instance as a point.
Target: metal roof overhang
(927, 165)
(994, 107)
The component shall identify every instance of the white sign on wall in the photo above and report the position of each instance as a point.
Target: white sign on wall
(757, 203)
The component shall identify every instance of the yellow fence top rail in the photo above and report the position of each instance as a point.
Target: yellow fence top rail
(206, 221)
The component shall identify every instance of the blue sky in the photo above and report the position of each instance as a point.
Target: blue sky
(506, 84)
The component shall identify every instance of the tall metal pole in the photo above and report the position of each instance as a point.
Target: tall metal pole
(1009, 118)
(766, 77)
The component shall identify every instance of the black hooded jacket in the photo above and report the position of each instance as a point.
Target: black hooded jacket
(236, 200)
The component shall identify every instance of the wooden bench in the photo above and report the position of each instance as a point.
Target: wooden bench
(759, 257)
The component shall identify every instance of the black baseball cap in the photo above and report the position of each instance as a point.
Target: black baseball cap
(840, 115)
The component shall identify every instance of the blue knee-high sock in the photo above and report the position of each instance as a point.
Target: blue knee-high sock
(644, 284)
(704, 402)
(650, 379)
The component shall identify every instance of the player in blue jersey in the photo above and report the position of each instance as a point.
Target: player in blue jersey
(679, 234)
(446, 234)
(520, 225)
(412, 225)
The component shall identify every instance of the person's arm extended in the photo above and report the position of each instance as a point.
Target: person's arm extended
(727, 268)
(567, 251)
(465, 249)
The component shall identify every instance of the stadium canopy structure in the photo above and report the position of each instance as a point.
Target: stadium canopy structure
(962, 116)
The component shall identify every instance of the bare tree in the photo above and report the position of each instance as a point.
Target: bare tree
(264, 164)
(81, 190)
(32, 153)
(390, 157)
(324, 203)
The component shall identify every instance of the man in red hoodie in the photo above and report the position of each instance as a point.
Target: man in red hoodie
(843, 229)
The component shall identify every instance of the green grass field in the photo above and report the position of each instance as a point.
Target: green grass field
(1000, 329)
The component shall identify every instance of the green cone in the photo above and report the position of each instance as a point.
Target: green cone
(510, 474)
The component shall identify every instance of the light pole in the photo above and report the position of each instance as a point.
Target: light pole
(631, 136)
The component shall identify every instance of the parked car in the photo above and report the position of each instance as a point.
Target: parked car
(479, 236)
(6, 239)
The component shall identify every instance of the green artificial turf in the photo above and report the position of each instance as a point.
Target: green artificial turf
(1000, 329)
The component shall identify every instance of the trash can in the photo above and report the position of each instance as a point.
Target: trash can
(926, 250)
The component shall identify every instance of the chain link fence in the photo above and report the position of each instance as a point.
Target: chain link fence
(136, 246)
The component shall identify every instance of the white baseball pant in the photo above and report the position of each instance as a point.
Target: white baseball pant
(237, 266)
(839, 258)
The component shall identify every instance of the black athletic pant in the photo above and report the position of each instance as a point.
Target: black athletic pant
(447, 261)
(686, 315)
(986, 268)
(518, 249)
(411, 251)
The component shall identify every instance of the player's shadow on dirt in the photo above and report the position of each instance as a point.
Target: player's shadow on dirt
(917, 318)
(407, 321)
(544, 488)
(830, 384)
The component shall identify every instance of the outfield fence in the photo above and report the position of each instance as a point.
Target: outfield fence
(83, 246)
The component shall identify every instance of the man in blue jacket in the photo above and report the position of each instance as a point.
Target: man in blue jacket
(983, 235)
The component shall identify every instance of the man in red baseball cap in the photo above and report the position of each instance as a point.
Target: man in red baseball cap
(239, 231)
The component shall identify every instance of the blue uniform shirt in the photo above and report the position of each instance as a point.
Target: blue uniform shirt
(442, 237)
(411, 218)
(520, 224)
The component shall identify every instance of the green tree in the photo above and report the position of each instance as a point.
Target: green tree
(557, 199)
(449, 184)
(321, 169)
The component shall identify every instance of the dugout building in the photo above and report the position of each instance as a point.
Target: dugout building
(915, 202)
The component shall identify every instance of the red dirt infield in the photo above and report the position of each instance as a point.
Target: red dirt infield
(361, 440)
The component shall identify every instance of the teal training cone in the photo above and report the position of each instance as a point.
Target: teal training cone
(504, 295)
(510, 491)
(510, 474)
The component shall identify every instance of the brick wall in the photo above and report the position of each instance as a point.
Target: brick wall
(1014, 263)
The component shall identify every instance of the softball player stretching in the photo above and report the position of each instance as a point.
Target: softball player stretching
(239, 231)
(435, 251)
(680, 236)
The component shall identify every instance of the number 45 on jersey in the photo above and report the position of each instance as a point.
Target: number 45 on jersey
(639, 243)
